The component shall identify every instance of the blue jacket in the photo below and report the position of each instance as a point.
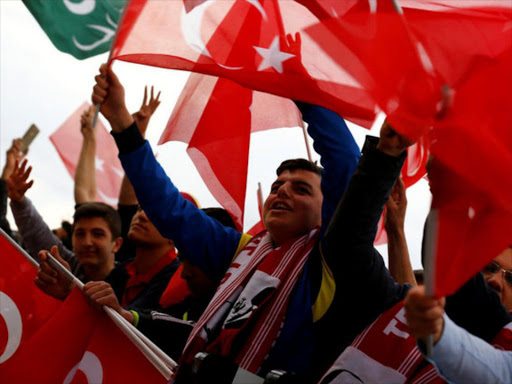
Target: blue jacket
(212, 246)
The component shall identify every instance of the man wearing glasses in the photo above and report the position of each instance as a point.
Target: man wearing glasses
(498, 274)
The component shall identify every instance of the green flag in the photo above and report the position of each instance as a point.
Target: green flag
(82, 28)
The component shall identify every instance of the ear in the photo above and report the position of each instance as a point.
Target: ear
(118, 241)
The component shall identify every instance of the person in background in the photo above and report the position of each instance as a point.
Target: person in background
(12, 156)
(459, 356)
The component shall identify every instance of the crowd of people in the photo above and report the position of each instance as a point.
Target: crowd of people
(308, 300)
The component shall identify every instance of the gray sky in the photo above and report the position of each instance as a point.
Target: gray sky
(41, 85)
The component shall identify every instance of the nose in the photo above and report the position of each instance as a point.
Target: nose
(496, 281)
(142, 215)
(284, 190)
(87, 239)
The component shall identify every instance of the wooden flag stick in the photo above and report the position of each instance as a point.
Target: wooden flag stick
(119, 22)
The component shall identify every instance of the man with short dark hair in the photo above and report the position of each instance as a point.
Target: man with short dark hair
(277, 289)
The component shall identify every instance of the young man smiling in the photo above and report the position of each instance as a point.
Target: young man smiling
(277, 289)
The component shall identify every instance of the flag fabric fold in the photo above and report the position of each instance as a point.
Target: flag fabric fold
(444, 73)
(243, 41)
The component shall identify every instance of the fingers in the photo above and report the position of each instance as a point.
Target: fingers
(146, 96)
(424, 314)
(46, 274)
(298, 39)
(55, 253)
(101, 293)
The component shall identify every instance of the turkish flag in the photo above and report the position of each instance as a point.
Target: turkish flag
(110, 358)
(216, 116)
(24, 308)
(67, 140)
(56, 347)
(403, 62)
(79, 344)
(243, 41)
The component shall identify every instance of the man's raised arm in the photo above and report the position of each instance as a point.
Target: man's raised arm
(209, 245)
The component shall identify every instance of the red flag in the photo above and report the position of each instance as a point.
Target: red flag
(24, 308)
(110, 358)
(216, 116)
(469, 51)
(67, 140)
(78, 343)
(56, 347)
(242, 41)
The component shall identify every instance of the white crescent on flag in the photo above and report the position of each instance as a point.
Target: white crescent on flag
(90, 365)
(191, 28)
(12, 317)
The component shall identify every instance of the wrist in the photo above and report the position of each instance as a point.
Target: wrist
(121, 121)
(128, 315)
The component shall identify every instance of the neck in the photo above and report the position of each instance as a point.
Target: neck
(98, 272)
(147, 257)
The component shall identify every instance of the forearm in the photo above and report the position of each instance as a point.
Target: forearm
(355, 220)
(35, 233)
(85, 174)
(461, 357)
(127, 193)
(398, 258)
(206, 242)
(338, 150)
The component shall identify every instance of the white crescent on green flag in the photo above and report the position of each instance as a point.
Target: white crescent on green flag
(82, 28)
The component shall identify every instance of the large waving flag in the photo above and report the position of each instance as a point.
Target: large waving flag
(446, 73)
(81, 28)
(243, 41)
(23, 307)
(67, 140)
(216, 116)
(77, 343)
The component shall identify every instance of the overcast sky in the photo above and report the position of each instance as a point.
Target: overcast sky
(42, 85)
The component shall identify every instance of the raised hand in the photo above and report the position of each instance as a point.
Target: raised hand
(396, 207)
(51, 281)
(17, 183)
(392, 142)
(294, 47)
(145, 112)
(86, 128)
(424, 314)
(14, 153)
(109, 92)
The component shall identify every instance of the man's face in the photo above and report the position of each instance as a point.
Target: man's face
(497, 282)
(93, 243)
(199, 284)
(294, 205)
(143, 232)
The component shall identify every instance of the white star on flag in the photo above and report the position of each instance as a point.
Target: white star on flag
(272, 56)
(98, 164)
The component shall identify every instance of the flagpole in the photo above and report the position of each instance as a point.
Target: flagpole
(306, 141)
(119, 22)
(19, 249)
(429, 260)
(146, 346)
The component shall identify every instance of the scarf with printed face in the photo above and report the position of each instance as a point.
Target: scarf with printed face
(385, 352)
(251, 302)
